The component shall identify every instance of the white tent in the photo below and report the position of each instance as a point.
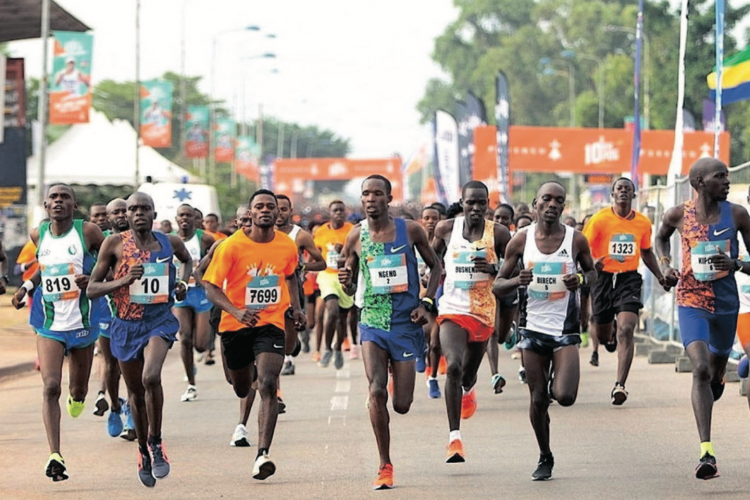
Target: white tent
(102, 153)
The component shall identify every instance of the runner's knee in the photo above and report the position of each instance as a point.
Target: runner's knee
(267, 385)
(378, 393)
(455, 369)
(52, 389)
(701, 371)
(151, 380)
(401, 406)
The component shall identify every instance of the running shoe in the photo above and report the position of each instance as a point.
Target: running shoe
(743, 367)
(190, 394)
(304, 337)
(145, 472)
(282, 405)
(434, 387)
(55, 468)
(288, 368)
(239, 438)
(338, 360)
(210, 359)
(346, 344)
(619, 395)
(497, 383)
(611, 346)
(128, 433)
(101, 405)
(455, 452)
(512, 340)
(594, 361)
(263, 467)
(354, 352)
(584, 339)
(543, 470)
(717, 388)
(75, 408)
(706, 468)
(325, 360)
(316, 357)
(114, 423)
(159, 459)
(468, 404)
(421, 365)
(384, 481)
(522, 374)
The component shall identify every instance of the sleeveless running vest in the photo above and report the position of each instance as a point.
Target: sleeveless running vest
(701, 286)
(59, 305)
(466, 291)
(391, 282)
(550, 307)
(194, 248)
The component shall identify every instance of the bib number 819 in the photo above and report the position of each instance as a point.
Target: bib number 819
(52, 285)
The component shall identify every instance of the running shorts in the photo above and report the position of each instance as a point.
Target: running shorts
(399, 346)
(508, 301)
(195, 300)
(715, 330)
(615, 293)
(242, 347)
(330, 287)
(475, 329)
(546, 345)
(73, 339)
(128, 339)
(743, 329)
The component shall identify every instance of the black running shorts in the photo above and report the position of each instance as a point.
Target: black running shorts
(242, 347)
(508, 301)
(544, 344)
(615, 293)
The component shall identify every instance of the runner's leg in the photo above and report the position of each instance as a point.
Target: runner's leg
(202, 333)
(187, 321)
(454, 344)
(269, 367)
(567, 375)
(376, 369)
(153, 360)
(51, 355)
(537, 371)
(111, 374)
(79, 369)
(626, 323)
(701, 395)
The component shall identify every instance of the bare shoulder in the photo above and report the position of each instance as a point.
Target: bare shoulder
(517, 242)
(674, 215)
(444, 227)
(501, 230)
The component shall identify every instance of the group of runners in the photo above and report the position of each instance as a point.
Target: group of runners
(452, 287)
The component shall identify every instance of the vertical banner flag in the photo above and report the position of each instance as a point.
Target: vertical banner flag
(224, 140)
(416, 165)
(502, 122)
(719, 66)
(675, 163)
(447, 158)
(156, 113)
(709, 117)
(196, 133)
(637, 104)
(470, 115)
(70, 85)
(485, 160)
(246, 161)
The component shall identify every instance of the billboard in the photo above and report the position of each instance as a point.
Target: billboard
(224, 140)
(70, 85)
(156, 113)
(196, 132)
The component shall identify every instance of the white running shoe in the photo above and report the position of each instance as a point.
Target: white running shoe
(263, 467)
(239, 438)
(190, 394)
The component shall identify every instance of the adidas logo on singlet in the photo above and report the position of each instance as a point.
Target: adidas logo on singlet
(562, 253)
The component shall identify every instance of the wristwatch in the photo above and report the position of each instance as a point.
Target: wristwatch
(428, 304)
(737, 265)
(494, 269)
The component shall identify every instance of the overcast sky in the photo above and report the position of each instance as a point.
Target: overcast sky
(355, 67)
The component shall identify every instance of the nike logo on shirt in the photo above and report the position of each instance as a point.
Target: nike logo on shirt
(719, 233)
(396, 249)
(161, 261)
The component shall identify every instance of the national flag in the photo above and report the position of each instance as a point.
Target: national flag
(735, 78)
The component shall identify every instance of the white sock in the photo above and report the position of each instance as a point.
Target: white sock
(455, 435)
(433, 378)
(288, 357)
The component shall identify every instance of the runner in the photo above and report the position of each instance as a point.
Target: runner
(619, 237)
(550, 326)
(144, 328)
(429, 221)
(211, 226)
(382, 250)
(586, 315)
(62, 314)
(707, 298)
(258, 265)
(469, 246)
(504, 215)
(743, 319)
(193, 312)
(305, 243)
(330, 240)
(198, 218)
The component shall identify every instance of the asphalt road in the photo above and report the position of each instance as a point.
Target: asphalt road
(324, 447)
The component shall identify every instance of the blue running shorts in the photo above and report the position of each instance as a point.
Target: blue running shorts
(195, 300)
(715, 330)
(74, 339)
(399, 346)
(128, 339)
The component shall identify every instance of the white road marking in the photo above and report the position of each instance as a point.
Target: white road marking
(339, 403)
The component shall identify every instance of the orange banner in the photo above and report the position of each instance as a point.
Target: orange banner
(592, 150)
(485, 160)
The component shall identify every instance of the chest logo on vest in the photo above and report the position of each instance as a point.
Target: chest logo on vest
(72, 250)
(719, 233)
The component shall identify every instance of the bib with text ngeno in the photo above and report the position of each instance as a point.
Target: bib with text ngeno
(388, 273)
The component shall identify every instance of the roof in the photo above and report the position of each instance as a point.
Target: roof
(22, 19)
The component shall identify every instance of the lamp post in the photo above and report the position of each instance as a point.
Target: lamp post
(183, 89)
(571, 54)
(646, 74)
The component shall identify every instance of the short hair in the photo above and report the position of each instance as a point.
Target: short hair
(430, 207)
(284, 197)
(622, 179)
(212, 215)
(508, 207)
(241, 210)
(335, 202)
(98, 204)
(198, 210)
(474, 185)
(189, 206)
(379, 177)
(261, 192)
(440, 208)
(454, 210)
(523, 216)
(141, 194)
(62, 184)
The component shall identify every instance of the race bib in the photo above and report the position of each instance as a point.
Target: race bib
(464, 272)
(388, 273)
(332, 259)
(547, 283)
(745, 289)
(700, 259)
(59, 282)
(262, 292)
(153, 287)
(622, 247)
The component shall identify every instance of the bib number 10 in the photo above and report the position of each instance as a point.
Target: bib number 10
(153, 287)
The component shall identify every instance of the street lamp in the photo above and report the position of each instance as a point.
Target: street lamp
(647, 73)
(571, 54)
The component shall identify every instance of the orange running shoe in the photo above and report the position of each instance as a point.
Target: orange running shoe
(455, 452)
(468, 404)
(390, 386)
(346, 345)
(316, 357)
(442, 366)
(384, 480)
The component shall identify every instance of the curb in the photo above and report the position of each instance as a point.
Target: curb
(11, 371)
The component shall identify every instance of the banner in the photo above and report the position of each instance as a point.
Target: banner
(247, 157)
(416, 165)
(709, 114)
(485, 160)
(676, 166)
(502, 122)
(196, 132)
(447, 158)
(70, 85)
(469, 116)
(224, 135)
(156, 113)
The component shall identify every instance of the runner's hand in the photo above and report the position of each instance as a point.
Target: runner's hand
(135, 273)
(419, 316)
(571, 282)
(246, 316)
(338, 247)
(18, 298)
(481, 265)
(180, 291)
(665, 284)
(599, 264)
(671, 277)
(82, 281)
(722, 262)
(525, 277)
(300, 320)
(345, 276)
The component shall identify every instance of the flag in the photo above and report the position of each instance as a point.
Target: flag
(636, 154)
(735, 78)
(675, 163)
(247, 157)
(469, 115)
(719, 42)
(446, 158)
(416, 165)
(196, 132)
(156, 113)
(70, 83)
(224, 134)
(502, 122)
(709, 117)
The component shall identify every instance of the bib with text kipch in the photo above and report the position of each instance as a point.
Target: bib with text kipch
(701, 255)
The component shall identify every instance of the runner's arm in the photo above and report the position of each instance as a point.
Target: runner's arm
(670, 223)
(199, 271)
(742, 221)
(3, 269)
(93, 236)
(178, 247)
(98, 284)
(438, 239)
(502, 238)
(649, 258)
(349, 273)
(316, 258)
(505, 283)
(585, 261)
(219, 299)
(418, 236)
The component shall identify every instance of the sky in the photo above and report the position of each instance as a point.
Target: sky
(355, 67)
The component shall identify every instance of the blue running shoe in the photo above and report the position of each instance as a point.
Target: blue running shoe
(743, 367)
(114, 423)
(434, 387)
(421, 365)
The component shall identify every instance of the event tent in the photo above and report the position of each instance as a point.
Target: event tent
(21, 19)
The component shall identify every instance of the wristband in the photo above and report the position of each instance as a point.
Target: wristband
(665, 260)
(28, 285)
(428, 300)
(581, 279)
(737, 265)
(180, 282)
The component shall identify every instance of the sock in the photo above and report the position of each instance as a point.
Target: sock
(433, 378)
(261, 451)
(455, 435)
(707, 447)
(288, 357)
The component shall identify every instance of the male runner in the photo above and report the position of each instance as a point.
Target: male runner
(429, 221)
(330, 240)
(619, 237)
(504, 215)
(192, 313)
(550, 324)
(305, 243)
(198, 218)
(211, 226)
(470, 246)
(62, 315)
(382, 250)
(707, 297)
(98, 216)
(144, 328)
(4, 280)
(258, 265)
